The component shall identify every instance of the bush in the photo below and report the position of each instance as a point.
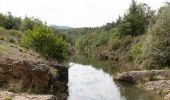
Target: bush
(156, 50)
(46, 43)
(85, 44)
(135, 51)
(114, 43)
(101, 38)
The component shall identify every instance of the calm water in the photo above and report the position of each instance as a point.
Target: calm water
(87, 82)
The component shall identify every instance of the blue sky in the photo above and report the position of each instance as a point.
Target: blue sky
(74, 13)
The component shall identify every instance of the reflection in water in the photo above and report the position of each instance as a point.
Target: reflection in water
(133, 93)
(88, 83)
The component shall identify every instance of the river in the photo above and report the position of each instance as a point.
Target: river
(88, 82)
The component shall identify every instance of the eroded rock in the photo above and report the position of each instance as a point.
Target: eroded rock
(35, 76)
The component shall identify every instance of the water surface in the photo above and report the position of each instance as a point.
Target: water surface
(88, 83)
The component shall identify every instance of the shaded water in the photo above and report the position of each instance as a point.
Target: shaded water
(88, 83)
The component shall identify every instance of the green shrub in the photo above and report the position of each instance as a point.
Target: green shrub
(46, 43)
(156, 50)
(85, 44)
(114, 43)
(135, 50)
(101, 38)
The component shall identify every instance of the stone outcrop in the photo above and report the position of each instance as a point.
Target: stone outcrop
(33, 75)
(143, 76)
(157, 81)
(27, 74)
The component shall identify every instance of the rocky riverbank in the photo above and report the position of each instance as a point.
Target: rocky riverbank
(23, 71)
(157, 81)
(5, 95)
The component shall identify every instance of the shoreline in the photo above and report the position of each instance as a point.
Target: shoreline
(156, 81)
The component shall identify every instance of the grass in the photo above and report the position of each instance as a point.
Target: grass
(4, 49)
(12, 36)
(8, 98)
(21, 49)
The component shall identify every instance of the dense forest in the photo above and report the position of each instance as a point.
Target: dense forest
(138, 39)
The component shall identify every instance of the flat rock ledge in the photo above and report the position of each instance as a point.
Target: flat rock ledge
(157, 81)
(5, 95)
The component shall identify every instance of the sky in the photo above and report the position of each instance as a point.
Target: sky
(74, 13)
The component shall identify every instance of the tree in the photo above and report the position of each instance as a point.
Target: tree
(10, 22)
(28, 23)
(136, 20)
(17, 23)
(119, 20)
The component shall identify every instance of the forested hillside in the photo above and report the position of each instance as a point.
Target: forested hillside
(136, 40)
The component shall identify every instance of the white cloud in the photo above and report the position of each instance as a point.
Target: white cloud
(76, 13)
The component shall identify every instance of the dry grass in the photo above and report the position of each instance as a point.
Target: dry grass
(4, 49)
(12, 36)
(16, 52)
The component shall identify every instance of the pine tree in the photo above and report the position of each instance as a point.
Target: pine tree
(135, 21)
